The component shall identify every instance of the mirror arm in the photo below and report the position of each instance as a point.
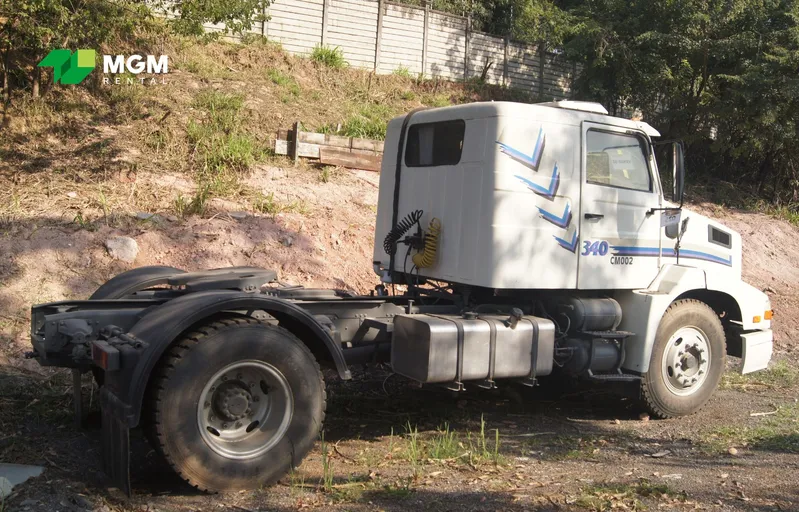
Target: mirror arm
(652, 211)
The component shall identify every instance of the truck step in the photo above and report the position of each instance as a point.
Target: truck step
(614, 377)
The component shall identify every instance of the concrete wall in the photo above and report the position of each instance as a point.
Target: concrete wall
(386, 37)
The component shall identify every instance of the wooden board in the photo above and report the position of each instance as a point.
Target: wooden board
(304, 150)
(344, 158)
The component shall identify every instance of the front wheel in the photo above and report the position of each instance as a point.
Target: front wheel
(236, 405)
(688, 358)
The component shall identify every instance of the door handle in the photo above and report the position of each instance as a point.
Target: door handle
(593, 216)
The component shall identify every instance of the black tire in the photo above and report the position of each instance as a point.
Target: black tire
(657, 393)
(184, 376)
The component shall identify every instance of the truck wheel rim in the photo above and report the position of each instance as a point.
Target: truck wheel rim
(686, 361)
(245, 409)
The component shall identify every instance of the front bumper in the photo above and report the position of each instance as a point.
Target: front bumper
(756, 348)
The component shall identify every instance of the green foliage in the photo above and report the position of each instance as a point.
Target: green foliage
(330, 57)
(370, 122)
(720, 75)
(403, 72)
(238, 16)
(219, 145)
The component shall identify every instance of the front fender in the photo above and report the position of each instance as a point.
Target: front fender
(643, 309)
(161, 326)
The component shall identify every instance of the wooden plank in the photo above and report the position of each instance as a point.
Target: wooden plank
(304, 149)
(371, 145)
(344, 158)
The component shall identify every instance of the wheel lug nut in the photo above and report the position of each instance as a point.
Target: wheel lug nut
(238, 424)
(238, 376)
(224, 378)
(224, 425)
(255, 399)
(207, 404)
(252, 384)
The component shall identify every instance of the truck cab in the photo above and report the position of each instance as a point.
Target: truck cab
(561, 199)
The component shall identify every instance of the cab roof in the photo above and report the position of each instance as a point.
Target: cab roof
(564, 112)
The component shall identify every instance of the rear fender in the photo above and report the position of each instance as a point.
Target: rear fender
(133, 281)
(159, 328)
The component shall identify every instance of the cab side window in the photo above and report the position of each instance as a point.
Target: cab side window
(617, 160)
(434, 144)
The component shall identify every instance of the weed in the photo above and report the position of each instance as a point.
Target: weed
(436, 100)
(408, 95)
(266, 203)
(327, 467)
(414, 452)
(327, 173)
(83, 223)
(330, 57)
(370, 122)
(219, 143)
(445, 444)
(197, 205)
(286, 81)
(403, 71)
(296, 481)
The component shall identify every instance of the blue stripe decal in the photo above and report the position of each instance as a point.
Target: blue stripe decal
(569, 246)
(670, 253)
(563, 221)
(549, 192)
(531, 161)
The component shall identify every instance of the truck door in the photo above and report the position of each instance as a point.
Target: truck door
(619, 239)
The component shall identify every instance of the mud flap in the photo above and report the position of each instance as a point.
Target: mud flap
(116, 451)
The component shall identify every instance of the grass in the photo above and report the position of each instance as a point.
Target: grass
(623, 496)
(781, 375)
(778, 433)
(445, 444)
(368, 122)
(220, 147)
(403, 72)
(268, 204)
(330, 57)
(284, 80)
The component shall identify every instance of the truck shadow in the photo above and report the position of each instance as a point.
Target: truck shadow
(377, 402)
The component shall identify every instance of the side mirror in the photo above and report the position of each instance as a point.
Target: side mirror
(678, 172)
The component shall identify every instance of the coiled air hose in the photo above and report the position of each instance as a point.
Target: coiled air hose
(402, 227)
(427, 258)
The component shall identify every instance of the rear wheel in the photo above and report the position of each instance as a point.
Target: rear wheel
(236, 405)
(688, 358)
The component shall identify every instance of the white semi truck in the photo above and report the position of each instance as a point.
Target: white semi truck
(513, 242)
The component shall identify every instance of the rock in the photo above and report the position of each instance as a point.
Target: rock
(72, 195)
(171, 218)
(152, 217)
(5, 487)
(15, 474)
(122, 248)
(287, 241)
(733, 451)
(643, 417)
(28, 503)
(239, 215)
(617, 422)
